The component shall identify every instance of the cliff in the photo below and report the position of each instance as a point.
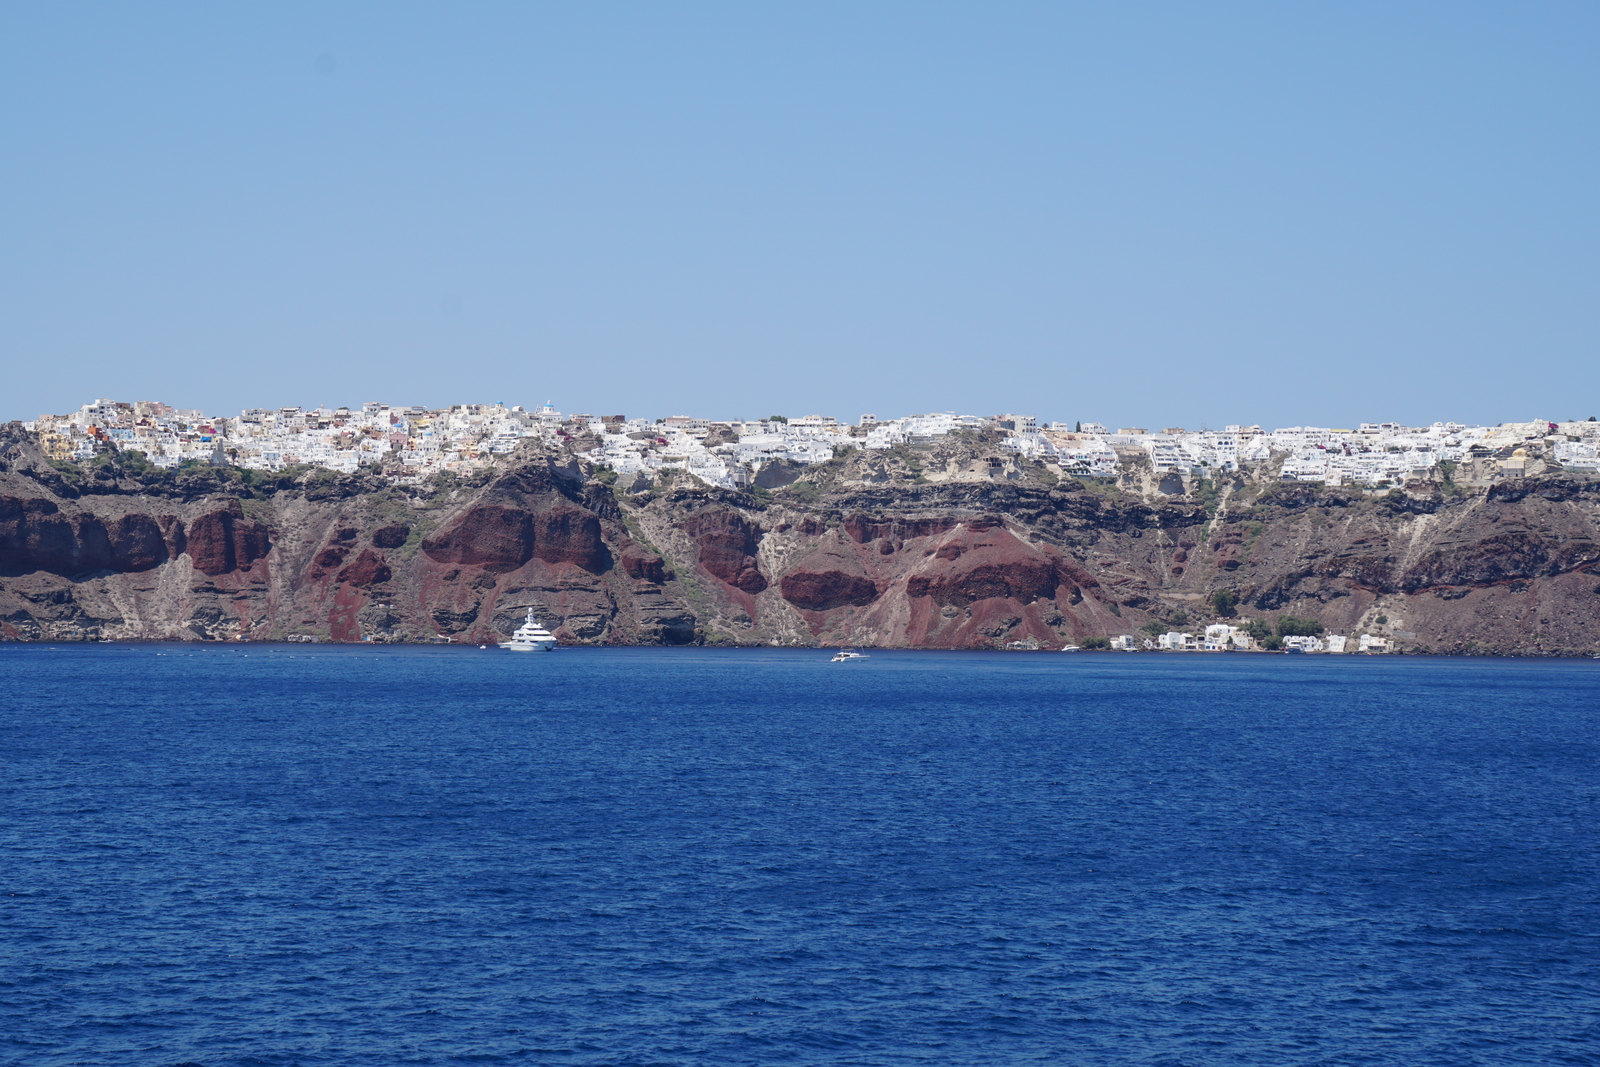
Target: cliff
(956, 545)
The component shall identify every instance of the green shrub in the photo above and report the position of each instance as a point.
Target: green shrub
(71, 471)
(136, 461)
(1289, 626)
(1096, 642)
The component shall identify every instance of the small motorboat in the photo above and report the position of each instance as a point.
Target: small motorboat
(845, 655)
(1073, 648)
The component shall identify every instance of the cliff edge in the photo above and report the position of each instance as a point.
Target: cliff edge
(955, 546)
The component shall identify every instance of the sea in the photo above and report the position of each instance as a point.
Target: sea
(304, 855)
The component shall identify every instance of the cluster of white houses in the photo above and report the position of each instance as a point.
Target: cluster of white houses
(1373, 454)
(411, 443)
(1227, 637)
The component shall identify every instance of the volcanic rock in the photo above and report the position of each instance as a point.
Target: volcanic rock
(727, 544)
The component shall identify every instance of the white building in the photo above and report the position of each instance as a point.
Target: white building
(1578, 455)
(1303, 644)
(1224, 637)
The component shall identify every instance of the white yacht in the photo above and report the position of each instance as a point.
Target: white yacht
(845, 655)
(1073, 648)
(530, 637)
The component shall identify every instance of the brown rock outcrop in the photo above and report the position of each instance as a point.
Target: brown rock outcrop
(643, 566)
(727, 544)
(824, 591)
(1371, 572)
(488, 535)
(37, 535)
(1503, 557)
(994, 564)
(137, 543)
(566, 533)
(224, 541)
(390, 536)
(330, 558)
(862, 529)
(504, 538)
(367, 569)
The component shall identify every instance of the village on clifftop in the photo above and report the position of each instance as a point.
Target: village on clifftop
(409, 444)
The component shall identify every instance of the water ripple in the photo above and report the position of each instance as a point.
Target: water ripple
(695, 857)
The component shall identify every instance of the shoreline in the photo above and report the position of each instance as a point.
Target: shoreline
(1109, 653)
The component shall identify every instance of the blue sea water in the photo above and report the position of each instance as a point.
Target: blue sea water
(275, 855)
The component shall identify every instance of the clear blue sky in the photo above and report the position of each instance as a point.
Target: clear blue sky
(1135, 213)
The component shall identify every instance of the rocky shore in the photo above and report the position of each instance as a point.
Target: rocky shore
(957, 545)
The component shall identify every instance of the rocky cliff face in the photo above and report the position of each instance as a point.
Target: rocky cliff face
(954, 546)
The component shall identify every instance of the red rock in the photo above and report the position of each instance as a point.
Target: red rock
(861, 529)
(343, 614)
(368, 568)
(1022, 580)
(570, 534)
(137, 543)
(727, 544)
(502, 538)
(827, 590)
(1072, 574)
(987, 564)
(330, 557)
(642, 565)
(224, 541)
(390, 536)
(35, 535)
(487, 535)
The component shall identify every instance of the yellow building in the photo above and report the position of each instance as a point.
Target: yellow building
(56, 446)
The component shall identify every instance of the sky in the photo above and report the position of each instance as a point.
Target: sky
(1144, 214)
